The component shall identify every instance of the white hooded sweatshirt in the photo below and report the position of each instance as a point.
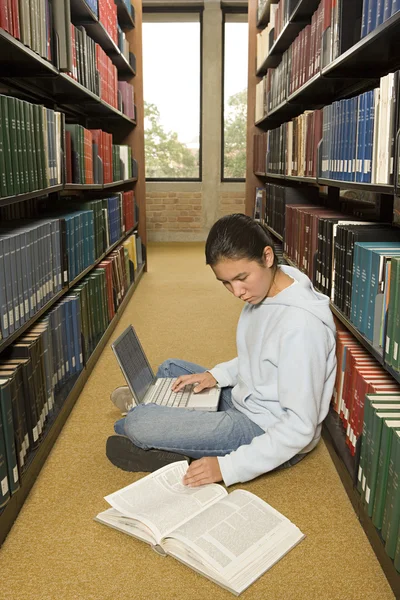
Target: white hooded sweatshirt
(282, 378)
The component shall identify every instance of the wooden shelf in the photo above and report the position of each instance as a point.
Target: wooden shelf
(97, 186)
(125, 18)
(322, 181)
(304, 10)
(5, 201)
(372, 57)
(353, 185)
(275, 234)
(17, 60)
(58, 419)
(282, 43)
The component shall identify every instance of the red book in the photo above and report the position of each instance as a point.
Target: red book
(353, 356)
(88, 156)
(15, 18)
(4, 20)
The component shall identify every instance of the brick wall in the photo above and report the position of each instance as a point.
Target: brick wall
(181, 216)
(231, 202)
(173, 211)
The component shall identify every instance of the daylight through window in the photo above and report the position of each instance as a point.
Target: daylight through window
(172, 78)
(235, 96)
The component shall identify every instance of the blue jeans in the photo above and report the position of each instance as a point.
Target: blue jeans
(192, 433)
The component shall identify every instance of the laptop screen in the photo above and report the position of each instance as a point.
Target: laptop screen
(133, 363)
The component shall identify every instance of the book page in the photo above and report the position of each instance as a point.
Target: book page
(162, 502)
(239, 535)
(114, 519)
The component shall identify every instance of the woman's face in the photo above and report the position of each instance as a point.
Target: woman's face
(246, 279)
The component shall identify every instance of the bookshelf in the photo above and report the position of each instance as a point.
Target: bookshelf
(32, 78)
(356, 70)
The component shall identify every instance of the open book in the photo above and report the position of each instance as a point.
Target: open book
(230, 538)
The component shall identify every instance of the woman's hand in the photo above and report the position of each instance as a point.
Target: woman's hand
(204, 381)
(202, 471)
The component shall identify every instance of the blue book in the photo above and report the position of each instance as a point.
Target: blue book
(360, 128)
(354, 115)
(372, 12)
(364, 19)
(348, 139)
(369, 133)
(387, 10)
(395, 6)
(334, 139)
(324, 145)
(91, 237)
(379, 12)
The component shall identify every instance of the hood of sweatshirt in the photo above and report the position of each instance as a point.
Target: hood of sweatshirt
(303, 296)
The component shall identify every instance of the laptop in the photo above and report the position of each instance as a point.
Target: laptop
(146, 388)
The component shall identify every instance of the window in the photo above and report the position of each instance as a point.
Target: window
(234, 96)
(172, 95)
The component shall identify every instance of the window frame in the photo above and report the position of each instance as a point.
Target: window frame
(226, 10)
(198, 9)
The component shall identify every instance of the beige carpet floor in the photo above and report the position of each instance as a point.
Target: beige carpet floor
(55, 551)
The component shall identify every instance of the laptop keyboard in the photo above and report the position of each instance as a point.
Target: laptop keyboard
(164, 396)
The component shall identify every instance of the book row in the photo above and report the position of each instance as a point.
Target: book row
(315, 47)
(358, 374)
(292, 148)
(379, 468)
(44, 26)
(376, 12)
(325, 244)
(92, 158)
(358, 142)
(37, 371)
(38, 258)
(30, 143)
(37, 148)
(354, 262)
(365, 395)
(93, 69)
(278, 17)
(358, 139)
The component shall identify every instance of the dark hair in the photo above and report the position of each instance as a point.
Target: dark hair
(238, 236)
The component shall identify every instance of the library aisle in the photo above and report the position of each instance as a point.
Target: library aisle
(55, 551)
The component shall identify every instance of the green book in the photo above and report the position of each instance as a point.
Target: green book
(396, 320)
(397, 556)
(30, 157)
(12, 121)
(3, 181)
(366, 432)
(39, 144)
(383, 469)
(11, 184)
(389, 489)
(394, 501)
(391, 313)
(21, 147)
(8, 429)
(4, 487)
(379, 416)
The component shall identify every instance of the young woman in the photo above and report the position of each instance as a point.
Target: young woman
(275, 393)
